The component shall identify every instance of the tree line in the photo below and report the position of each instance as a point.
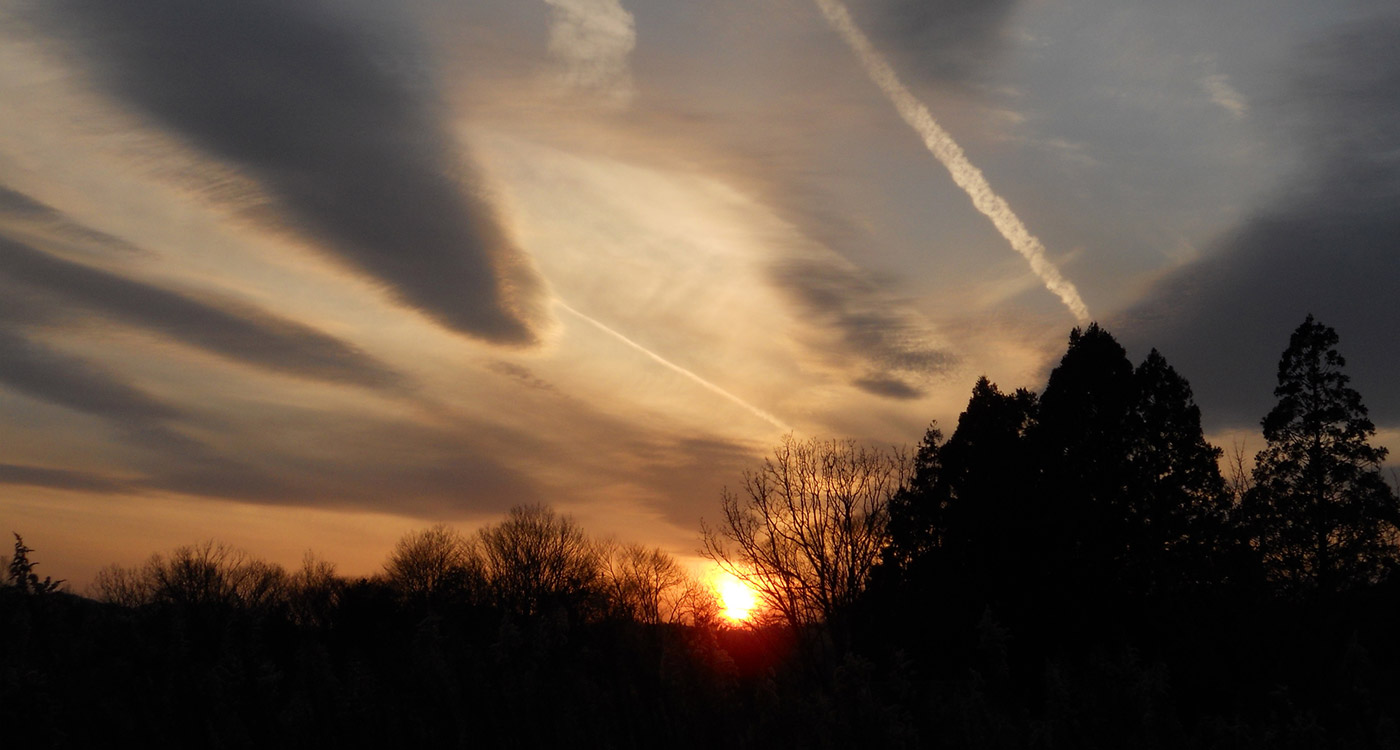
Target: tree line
(527, 633)
(1074, 567)
(535, 562)
(1068, 568)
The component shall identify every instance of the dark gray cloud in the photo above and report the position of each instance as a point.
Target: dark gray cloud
(308, 458)
(363, 463)
(44, 373)
(241, 333)
(351, 150)
(60, 479)
(872, 330)
(947, 40)
(523, 375)
(24, 212)
(41, 372)
(1326, 246)
(888, 387)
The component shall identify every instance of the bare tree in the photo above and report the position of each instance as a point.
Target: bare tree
(695, 604)
(1239, 481)
(645, 584)
(428, 563)
(536, 557)
(314, 591)
(208, 573)
(810, 525)
(128, 587)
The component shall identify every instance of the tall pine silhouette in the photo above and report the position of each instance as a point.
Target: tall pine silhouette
(1320, 512)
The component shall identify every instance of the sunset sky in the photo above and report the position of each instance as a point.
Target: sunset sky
(303, 274)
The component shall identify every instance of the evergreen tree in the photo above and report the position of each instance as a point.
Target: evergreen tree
(1085, 427)
(967, 511)
(21, 573)
(1320, 512)
(916, 511)
(1133, 500)
(1180, 502)
(991, 528)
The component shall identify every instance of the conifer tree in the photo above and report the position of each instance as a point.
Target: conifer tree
(1180, 501)
(1320, 513)
(991, 525)
(22, 575)
(917, 510)
(1085, 427)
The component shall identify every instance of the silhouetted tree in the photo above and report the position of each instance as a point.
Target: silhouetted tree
(916, 521)
(810, 526)
(315, 592)
(968, 522)
(117, 584)
(22, 575)
(536, 558)
(208, 573)
(1081, 441)
(432, 563)
(965, 533)
(1321, 513)
(647, 585)
(991, 522)
(1180, 503)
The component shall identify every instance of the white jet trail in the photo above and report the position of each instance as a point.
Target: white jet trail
(761, 414)
(951, 155)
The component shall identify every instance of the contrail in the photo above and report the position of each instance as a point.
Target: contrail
(757, 412)
(951, 155)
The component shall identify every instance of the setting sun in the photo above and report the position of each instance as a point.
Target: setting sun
(737, 599)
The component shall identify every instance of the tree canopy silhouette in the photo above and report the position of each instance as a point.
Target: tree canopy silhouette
(1320, 511)
(810, 526)
(22, 575)
(434, 562)
(1179, 501)
(536, 559)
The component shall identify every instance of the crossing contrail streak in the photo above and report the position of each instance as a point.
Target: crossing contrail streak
(951, 155)
(707, 385)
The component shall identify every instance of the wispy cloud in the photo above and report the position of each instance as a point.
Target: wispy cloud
(42, 372)
(591, 41)
(61, 479)
(1222, 93)
(1325, 246)
(316, 110)
(23, 213)
(239, 332)
(892, 349)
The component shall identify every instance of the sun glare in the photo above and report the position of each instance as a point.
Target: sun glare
(736, 597)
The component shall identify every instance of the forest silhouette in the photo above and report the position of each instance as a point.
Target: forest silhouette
(1064, 569)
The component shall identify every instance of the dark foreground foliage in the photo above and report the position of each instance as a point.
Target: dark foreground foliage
(1067, 570)
(1226, 673)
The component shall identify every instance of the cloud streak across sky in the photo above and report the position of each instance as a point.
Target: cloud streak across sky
(289, 273)
(241, 334)
(349, 150)
(951, 155)
(668, 364)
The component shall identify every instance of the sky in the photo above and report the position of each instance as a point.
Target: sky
(308, 274)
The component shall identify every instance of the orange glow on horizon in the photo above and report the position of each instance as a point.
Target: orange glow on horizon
(738, 600)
